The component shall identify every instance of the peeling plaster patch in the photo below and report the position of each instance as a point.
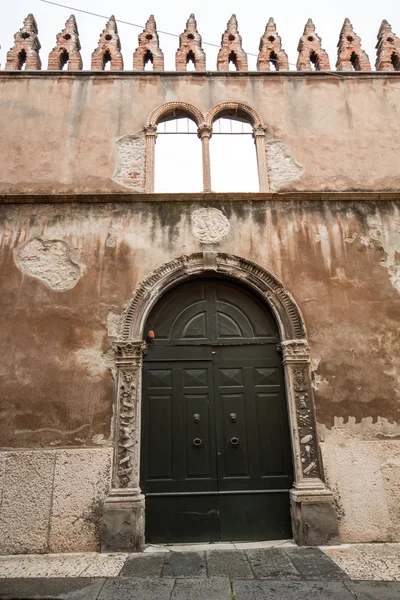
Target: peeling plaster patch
(113, 324)
(365, 429)
(93, 360)
(322, 234)
(316, 378)
(282, 168)
(387, 238)
(49, 261)
(131, 152)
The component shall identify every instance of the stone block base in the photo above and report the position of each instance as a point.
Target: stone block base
(314, 518)
(123, 522)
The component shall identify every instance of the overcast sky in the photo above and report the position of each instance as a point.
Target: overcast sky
(212, 16)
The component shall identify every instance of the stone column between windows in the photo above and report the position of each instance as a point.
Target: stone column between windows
(259, 140)
(123, 526)
(204, 133)
(151, 135)
(312, 505)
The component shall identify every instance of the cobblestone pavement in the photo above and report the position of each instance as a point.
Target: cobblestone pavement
(212, 572)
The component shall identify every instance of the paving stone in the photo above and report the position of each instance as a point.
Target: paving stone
(124, 588)
(290, 590)
(313, 564)
(143, 566)
(77, 588)
(375, 590)
(215, 588)
(272, 563)
(185, 564)
(228, 563)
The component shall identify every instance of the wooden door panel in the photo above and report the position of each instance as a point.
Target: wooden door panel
(216, 459)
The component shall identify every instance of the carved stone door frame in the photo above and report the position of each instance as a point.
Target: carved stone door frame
(312, 507)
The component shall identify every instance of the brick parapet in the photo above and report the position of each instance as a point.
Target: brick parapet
(190, 48)
(149, 48)
(108, 49)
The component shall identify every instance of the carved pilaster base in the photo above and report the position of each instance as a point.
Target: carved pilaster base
(313, 516)
(123, 521)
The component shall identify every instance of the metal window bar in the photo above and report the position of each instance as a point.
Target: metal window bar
(221, 127)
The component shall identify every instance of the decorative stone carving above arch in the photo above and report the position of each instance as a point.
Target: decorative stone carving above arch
(233, 108)
(312, 508)
(289, 319)
(175, 110)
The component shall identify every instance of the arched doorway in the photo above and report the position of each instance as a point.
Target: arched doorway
(215, 445)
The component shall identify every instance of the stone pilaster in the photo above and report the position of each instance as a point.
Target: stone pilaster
(204, 133)
(151, 136)
(313, 512)
(123, 516)
(259, 139)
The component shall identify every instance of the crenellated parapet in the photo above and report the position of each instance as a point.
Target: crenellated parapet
(271, 56)
(271, 51)
(149, 48)
(311, 54)
(388, 49)
(351, 57)
(25, 52)
(67, 49)
(108, 49)
(231, 48)
(190, 48)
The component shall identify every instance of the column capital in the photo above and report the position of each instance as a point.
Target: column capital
(150, 130)
(295, 351)
(259, 130)
(129, 353)
(204, 131)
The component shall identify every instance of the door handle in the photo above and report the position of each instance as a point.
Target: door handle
(197, 442)
(234, 441)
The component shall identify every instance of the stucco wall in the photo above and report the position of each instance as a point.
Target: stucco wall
(71, 268)
(335, 131)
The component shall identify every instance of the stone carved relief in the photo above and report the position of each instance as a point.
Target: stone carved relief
(296, 356)
(209, 225)
(181, 268)
(308, 451)
(129, 363)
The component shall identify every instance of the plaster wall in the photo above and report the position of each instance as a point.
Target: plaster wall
(79, 132)
(339, 259)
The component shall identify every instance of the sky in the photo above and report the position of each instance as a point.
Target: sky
(290, 17)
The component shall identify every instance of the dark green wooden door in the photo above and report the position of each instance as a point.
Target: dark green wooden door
(216, 461)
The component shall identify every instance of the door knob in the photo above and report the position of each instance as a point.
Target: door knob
(233, 417)
(234, 441)
(197, 442)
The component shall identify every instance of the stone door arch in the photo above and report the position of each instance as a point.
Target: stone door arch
(313, 515)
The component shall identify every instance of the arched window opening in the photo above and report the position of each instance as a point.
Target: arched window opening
(64, 58)
(22, 60)
(190, 61)
(232, 61)
(178, 158)
(273, 61)
(107, 60)
(314, 62)
(233, 156)
(395, 58)
(148, 61)
(355, 61)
